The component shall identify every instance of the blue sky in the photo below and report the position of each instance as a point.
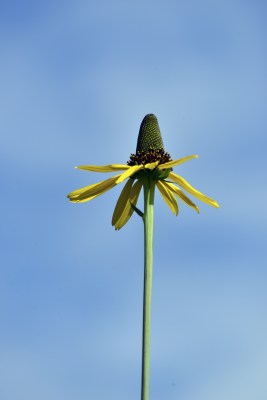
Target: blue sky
(76, 80)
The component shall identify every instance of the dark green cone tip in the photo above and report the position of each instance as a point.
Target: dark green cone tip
(149, 135)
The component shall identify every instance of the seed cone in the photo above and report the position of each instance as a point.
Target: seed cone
(149, 135)
(149, 144)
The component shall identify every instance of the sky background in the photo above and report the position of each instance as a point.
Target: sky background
(77, 78)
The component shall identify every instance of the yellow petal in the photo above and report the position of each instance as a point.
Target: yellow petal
(173, 163)
(152, 165)
(185, 185)
(127, 174)
(168, 197)
(122, 201)
(83, 200)
(128, 210)
(180, 194)
(104, 168)
(89, 192)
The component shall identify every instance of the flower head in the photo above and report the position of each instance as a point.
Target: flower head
(150, 162)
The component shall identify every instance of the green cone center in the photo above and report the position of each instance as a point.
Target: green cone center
(149, 135)
(149, 144)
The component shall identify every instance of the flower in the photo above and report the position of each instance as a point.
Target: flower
(150, 162)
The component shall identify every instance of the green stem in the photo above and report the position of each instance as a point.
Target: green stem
(148, 218)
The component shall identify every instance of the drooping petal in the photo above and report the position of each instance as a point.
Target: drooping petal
(168, 197)
(128, 210)
(127, 174)
(185, 185)
(122, 201)
(104, 168)
(89, 192)
(180, 194)
(173, 163)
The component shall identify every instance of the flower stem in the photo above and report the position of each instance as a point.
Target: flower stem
(148, 218)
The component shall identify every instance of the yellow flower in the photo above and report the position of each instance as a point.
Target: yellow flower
(150, 162)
